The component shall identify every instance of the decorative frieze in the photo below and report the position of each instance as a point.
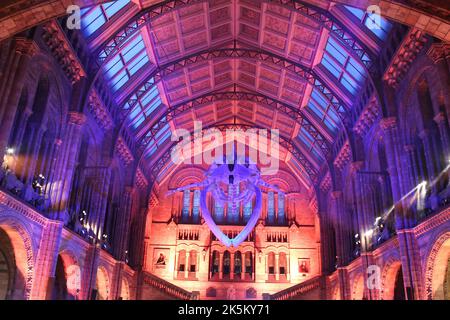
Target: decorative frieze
(124, 152)
(408, 51)
(100, 112)
(56, 41)
(367, 118)
(141, 180)
(439, 51)
(325, 185)
(344, 156)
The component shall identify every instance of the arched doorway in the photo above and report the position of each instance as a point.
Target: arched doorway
(437, 272)
(399, 287)
(125, 290)
(102, 284)
(391, 281)
(7, 266)
(358, 288)
(60, 285)
(16, 270)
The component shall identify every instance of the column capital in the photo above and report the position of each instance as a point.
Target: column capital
(388, 123)
(355, 166)
(336, 194)
(440, 118)
(26, 46)
(77, 118)
(409, 148)
(438, 52)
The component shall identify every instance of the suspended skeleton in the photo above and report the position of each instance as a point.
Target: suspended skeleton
(238, 173)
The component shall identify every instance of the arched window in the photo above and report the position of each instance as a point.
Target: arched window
(218, 212)
(193, 261)
(226, 264)
(196, 207)
(270, 207)
(233, 211)
(249, 263)
(271, 263)
(282, 264)
(215, 263)
(281, 214)
(237, 263)
(248, 207)
(186, 205)
(182, 261)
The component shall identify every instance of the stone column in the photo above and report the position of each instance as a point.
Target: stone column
(65, 168)
(186, 265)
(123, 223)
(277, 266)
(288, 268)
(442, 124)
(46, 260)
(389, 127)
(340, 220)
(426, 137)
(12, 84)
(344, 284)
(220, 265)
(439, 53)
(231, 265)
(411, 264)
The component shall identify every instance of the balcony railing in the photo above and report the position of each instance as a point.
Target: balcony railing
(298, 290)
(168, 288)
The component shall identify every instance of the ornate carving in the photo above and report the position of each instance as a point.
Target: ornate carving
(26, 46)
(343, 157)
(325, 185)
(439, 51)
(124, 152)
(77, 118)
(56, 41)
(388, 123)
(430, 264)
(367, 118)
(408, 51)
(100, 112)
(141, 180)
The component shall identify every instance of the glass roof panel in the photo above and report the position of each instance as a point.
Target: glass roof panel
(350, 73)
(309, 143)
(379, 26)
(93, 18)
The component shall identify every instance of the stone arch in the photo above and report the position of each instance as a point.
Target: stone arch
(358, 287)
(102, 284)
(436, 268)
(388, 278)
(20, 239)
(185, 177)
(335, 292)
(72, 271)
(125, 289)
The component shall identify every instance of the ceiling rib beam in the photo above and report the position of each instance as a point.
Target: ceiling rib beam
(284, 142)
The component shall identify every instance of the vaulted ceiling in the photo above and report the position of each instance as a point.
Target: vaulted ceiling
(287, 65)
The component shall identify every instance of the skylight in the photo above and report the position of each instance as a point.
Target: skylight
(374, 22)
(319, 106)
(144, 106)
(310, 144)
(342, 66)
(93, 18)
(127, 62)
(160, 137)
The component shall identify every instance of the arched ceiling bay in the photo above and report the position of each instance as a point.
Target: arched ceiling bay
(285, 65)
